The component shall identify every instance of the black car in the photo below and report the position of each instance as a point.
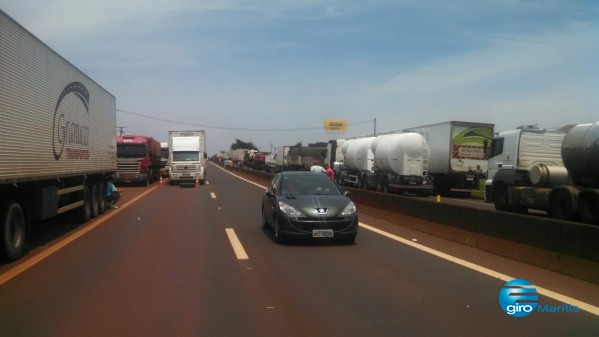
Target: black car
(300, 204)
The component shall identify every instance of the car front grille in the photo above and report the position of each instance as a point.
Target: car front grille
(336, 224)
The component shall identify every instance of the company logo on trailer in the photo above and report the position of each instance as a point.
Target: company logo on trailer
(519, 298)
(70, 127)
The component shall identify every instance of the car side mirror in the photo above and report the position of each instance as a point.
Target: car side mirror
(269, 194)
(347, 194)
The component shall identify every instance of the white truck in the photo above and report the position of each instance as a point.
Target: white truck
(164, 153)
(458, 155)
(556, 171)
(187, 156)
(282, 157)
(58, 136)
(390, 162)
(334, 156)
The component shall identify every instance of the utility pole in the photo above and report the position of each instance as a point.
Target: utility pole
(375, 126)
(121, 129)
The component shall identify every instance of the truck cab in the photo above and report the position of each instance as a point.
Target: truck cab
(515, 152)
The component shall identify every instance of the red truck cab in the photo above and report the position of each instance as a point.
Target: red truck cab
(138, 159)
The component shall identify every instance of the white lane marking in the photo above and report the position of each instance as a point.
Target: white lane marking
(35, 259)
(212, 195)
(559, 297)
(237, 247)
(233, 174)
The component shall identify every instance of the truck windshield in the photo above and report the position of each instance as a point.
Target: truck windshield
(164, 153)
(130, 150)
(186, 156)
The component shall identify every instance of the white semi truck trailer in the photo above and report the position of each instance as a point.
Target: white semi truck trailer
(58, 136)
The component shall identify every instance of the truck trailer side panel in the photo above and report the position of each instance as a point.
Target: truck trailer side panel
(56, 121)
(458, 154)
(58, 137)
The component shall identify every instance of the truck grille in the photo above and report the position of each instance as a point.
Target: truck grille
(128, 170)
(184, 168)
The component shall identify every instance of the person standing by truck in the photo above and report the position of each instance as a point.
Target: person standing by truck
(316, 167)
(329, 171)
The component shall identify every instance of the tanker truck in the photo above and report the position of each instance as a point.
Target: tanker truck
(57, 132)
(393, 162)
(556, 171)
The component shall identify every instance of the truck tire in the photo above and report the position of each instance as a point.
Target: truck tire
(385, 185)
(85, 211)
(102, 205)
(13, 232)
(363, 182)
(500, 198)
(589, 209)
(561, 206)
(95, 192)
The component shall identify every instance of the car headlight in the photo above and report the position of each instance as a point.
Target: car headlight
(349, 209)
(289, 210)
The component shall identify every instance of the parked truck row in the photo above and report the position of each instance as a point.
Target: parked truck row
(553, 170)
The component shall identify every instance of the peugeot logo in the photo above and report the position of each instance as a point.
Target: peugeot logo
(321, 211)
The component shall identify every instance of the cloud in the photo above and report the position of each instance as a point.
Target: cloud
(543, 76)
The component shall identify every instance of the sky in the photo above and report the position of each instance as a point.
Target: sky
(270, 72)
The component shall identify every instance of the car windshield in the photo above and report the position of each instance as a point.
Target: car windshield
(319, 184)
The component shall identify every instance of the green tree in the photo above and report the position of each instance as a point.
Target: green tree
(243, 145)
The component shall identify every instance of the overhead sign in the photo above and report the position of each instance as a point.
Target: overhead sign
(335, 124)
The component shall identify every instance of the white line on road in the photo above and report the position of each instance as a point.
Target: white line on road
(213, 195)
(559, 297)
(237, 247)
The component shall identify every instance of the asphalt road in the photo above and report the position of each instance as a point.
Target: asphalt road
(166, 263)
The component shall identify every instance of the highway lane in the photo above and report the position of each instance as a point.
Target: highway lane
(164, 266)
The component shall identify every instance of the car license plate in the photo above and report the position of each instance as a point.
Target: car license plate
(186, 175)
(322, 233)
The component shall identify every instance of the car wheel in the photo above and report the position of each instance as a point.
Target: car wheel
(278, 236)
(264, 222)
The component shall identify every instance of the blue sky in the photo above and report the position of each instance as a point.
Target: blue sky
(270, 72)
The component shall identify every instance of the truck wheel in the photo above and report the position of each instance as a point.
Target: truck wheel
(85, 211)
(385, 185)
(589, 209)
(13, 232)
(500, 198)
(102, 205)
(95, 200)
(561, 206)
(363, 182)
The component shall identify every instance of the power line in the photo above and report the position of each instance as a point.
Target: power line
(206, 126)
